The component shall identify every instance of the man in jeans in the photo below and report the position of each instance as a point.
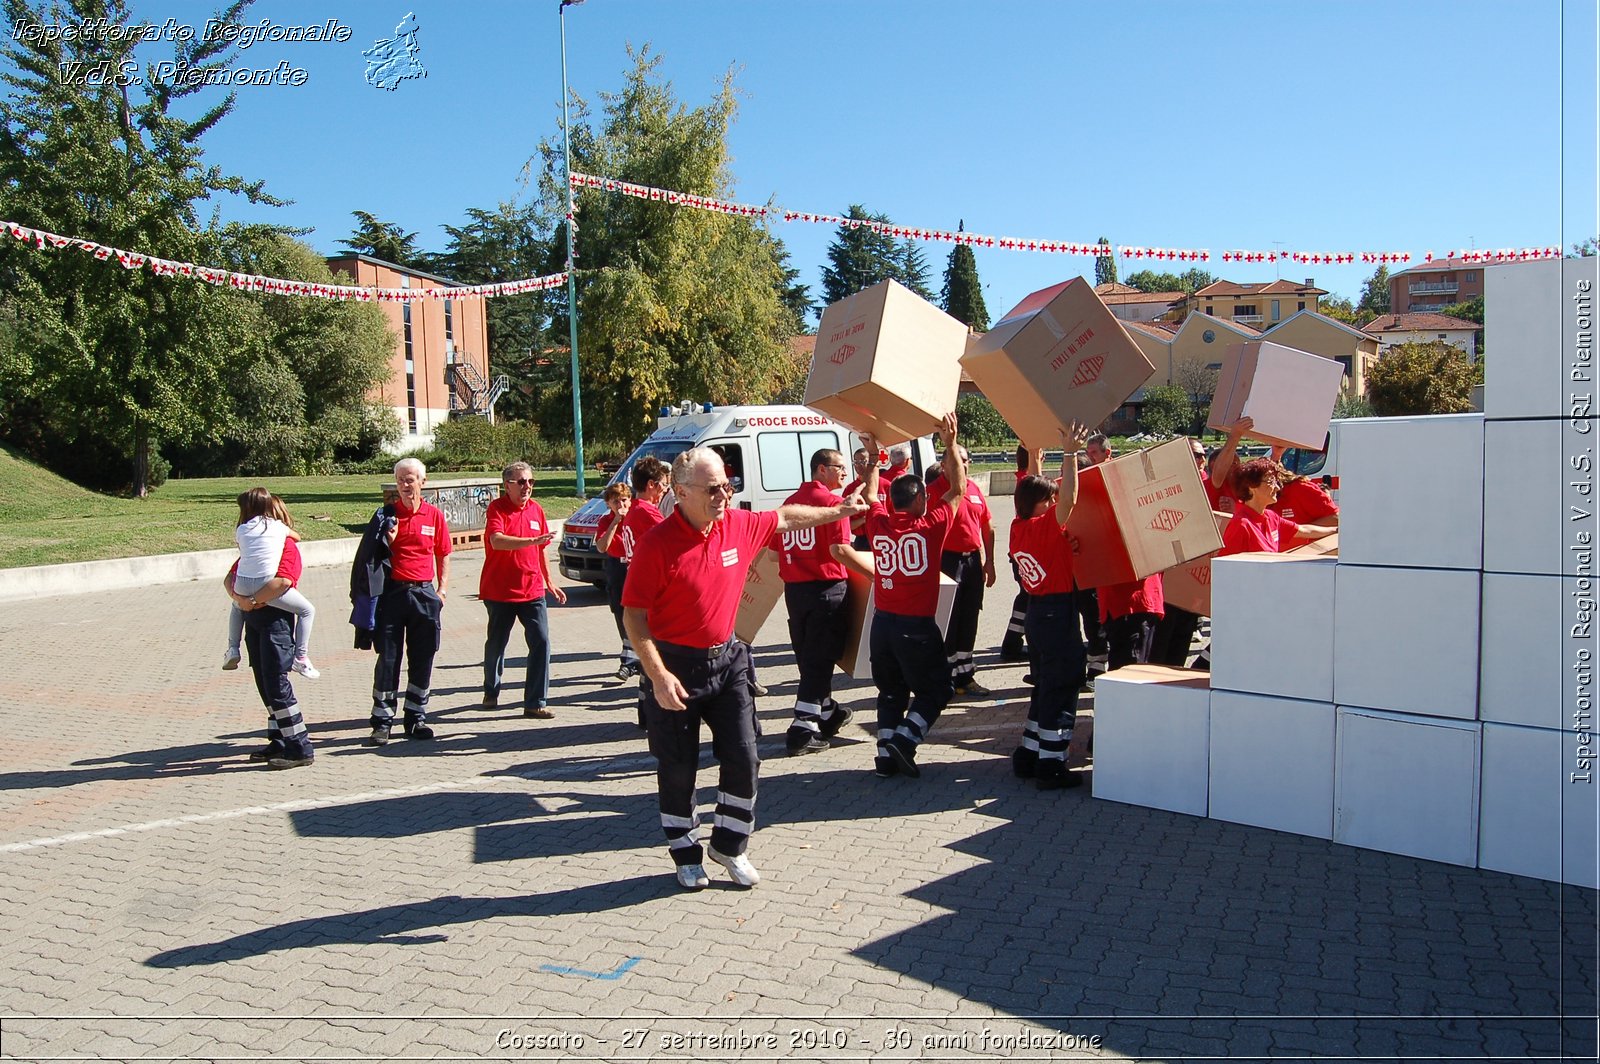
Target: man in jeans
(512, 587)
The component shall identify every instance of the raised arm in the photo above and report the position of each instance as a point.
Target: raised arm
(1223, 465)
(955, 470)
(1072, 438)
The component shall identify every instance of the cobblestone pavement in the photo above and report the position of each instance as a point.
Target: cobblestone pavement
(504, 892)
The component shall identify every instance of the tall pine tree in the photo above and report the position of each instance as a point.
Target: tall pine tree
(962, 297)
(1105, 266)
(861, 256)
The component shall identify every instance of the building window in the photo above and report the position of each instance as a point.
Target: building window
(1472, 275)
(1302, 305)
(1208, 336)
(1274, 310)
(1244, 310)
(411, 372)
(449, 321)
(1441, 336)
(1210, 309)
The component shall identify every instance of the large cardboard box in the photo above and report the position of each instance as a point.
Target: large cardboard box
(1411, 491)
(1188, 586)
(1140, 514)
(763, 587)
(1058, 356)
(1537, 317)
(1290, 393)
(887, 362)
(1529, 648)
(1272, 763)
(1326, 547)
(1535, 818)
(1152, 737)
(1529, 468)
(1272, 625)
(1406, 640)
(1407, 785)
(856, 660)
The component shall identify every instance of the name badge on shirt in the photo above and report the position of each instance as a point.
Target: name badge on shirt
(427, 530)
(730, 557)
(1288, 513)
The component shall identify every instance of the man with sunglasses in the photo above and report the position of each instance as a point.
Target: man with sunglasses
(679, 606)
(515, 577)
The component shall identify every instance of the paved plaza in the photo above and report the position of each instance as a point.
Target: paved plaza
(504, 892)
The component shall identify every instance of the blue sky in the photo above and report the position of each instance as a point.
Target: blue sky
(1331, 126)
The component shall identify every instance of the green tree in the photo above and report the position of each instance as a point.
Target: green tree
(1194, 279)
(384, 240)
(674, 303)
(1167, 411)
(1427, 378)
(1375, 294)
(981, 423)
(1150, 281)
(962, 296)
(1585, 249)
(1197, 379)
(1340, 308)
(1105, 266)
(914, 268)
(861, 256)
(1470, 310)
(796, 296)
(120, 362)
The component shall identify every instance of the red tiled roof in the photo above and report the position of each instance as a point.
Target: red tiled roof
(1113, 288)
(1439, 266)
(1133, 295)
(1163, 331)
(1418, 321)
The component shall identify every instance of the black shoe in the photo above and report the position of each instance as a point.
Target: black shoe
(420, 732)
(839, 718)
(1027, 678)
(491, 701)
(1024, 763)
(379, 736)
(756, 688)
(268, 752)
(285, 759)
(1010, 654)
(805, 742)
(905, 758)
(1050, 775)
(884, 767)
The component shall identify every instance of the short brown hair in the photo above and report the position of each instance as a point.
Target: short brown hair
(616, 491)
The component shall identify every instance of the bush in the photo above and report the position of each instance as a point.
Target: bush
(980, 423)
(1166, 411)
(1430, 378)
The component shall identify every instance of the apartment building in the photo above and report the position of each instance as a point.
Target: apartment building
(1258, 306)
(1432, 285)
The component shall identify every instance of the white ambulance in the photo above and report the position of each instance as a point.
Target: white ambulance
(765, 448)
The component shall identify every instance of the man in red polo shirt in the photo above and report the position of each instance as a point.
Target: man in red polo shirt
(410, 607)
(512, 587)
(909, 665)
(679, 607)
(812, 563)
(968, 559)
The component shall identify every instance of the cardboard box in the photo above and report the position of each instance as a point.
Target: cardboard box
(887, 362)
(763, 587)
(1152, 734)
(1533, 819)
(1058, 356)
(1524, 668)
(1188, 586)
(1272, 625)
(1326, 547)
(1272, 763)
(1411, 491)
(1528, 468)
(1533, 315)
(1406, 640)
(1140, 514)
(1407, 785)
(856, 661)
(1290, 393)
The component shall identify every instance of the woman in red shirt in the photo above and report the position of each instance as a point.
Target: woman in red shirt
(1043, 556)
(1255, 526)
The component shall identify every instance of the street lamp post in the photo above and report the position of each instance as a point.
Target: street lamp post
(572, 285)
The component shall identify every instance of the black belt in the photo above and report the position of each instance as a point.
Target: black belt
(964, 553)
(399, 585)
(706, 653)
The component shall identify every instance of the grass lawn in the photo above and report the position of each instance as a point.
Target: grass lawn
(45, 519)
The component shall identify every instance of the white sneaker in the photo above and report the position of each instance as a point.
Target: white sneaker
(740, 870)
(230, 659)
(304, 667)
(693, 877)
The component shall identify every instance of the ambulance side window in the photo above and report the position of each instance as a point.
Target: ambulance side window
(784, 456)
(733, 461)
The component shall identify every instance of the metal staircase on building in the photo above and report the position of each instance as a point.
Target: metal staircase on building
(470, 393)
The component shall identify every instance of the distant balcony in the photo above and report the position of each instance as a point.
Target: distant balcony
(1249, 319)
(1443, 288)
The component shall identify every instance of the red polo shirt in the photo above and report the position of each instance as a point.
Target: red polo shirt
(421, 538)
(1043, 554)
(512, 575)
(1135, 596)
(905, 555)
(641, 517)
(1304, 502)
(615, 549)
(690, 583)
(972, 519)
(806, 553)
(1251, 531)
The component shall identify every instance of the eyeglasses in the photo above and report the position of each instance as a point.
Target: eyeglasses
(525, 481)
(840, 468)
(723, 488)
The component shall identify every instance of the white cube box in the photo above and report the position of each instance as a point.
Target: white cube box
(1152, 727)
(1407, 785)
(1406, 640)
(1528, 647)
(1533, 313)
(1272, 763)
(1272, 625)
(1411, 491)
(1528, 470)
(1537, 812)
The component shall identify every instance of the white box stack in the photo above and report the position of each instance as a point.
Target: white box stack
(1430, 691)
(1151, 726)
